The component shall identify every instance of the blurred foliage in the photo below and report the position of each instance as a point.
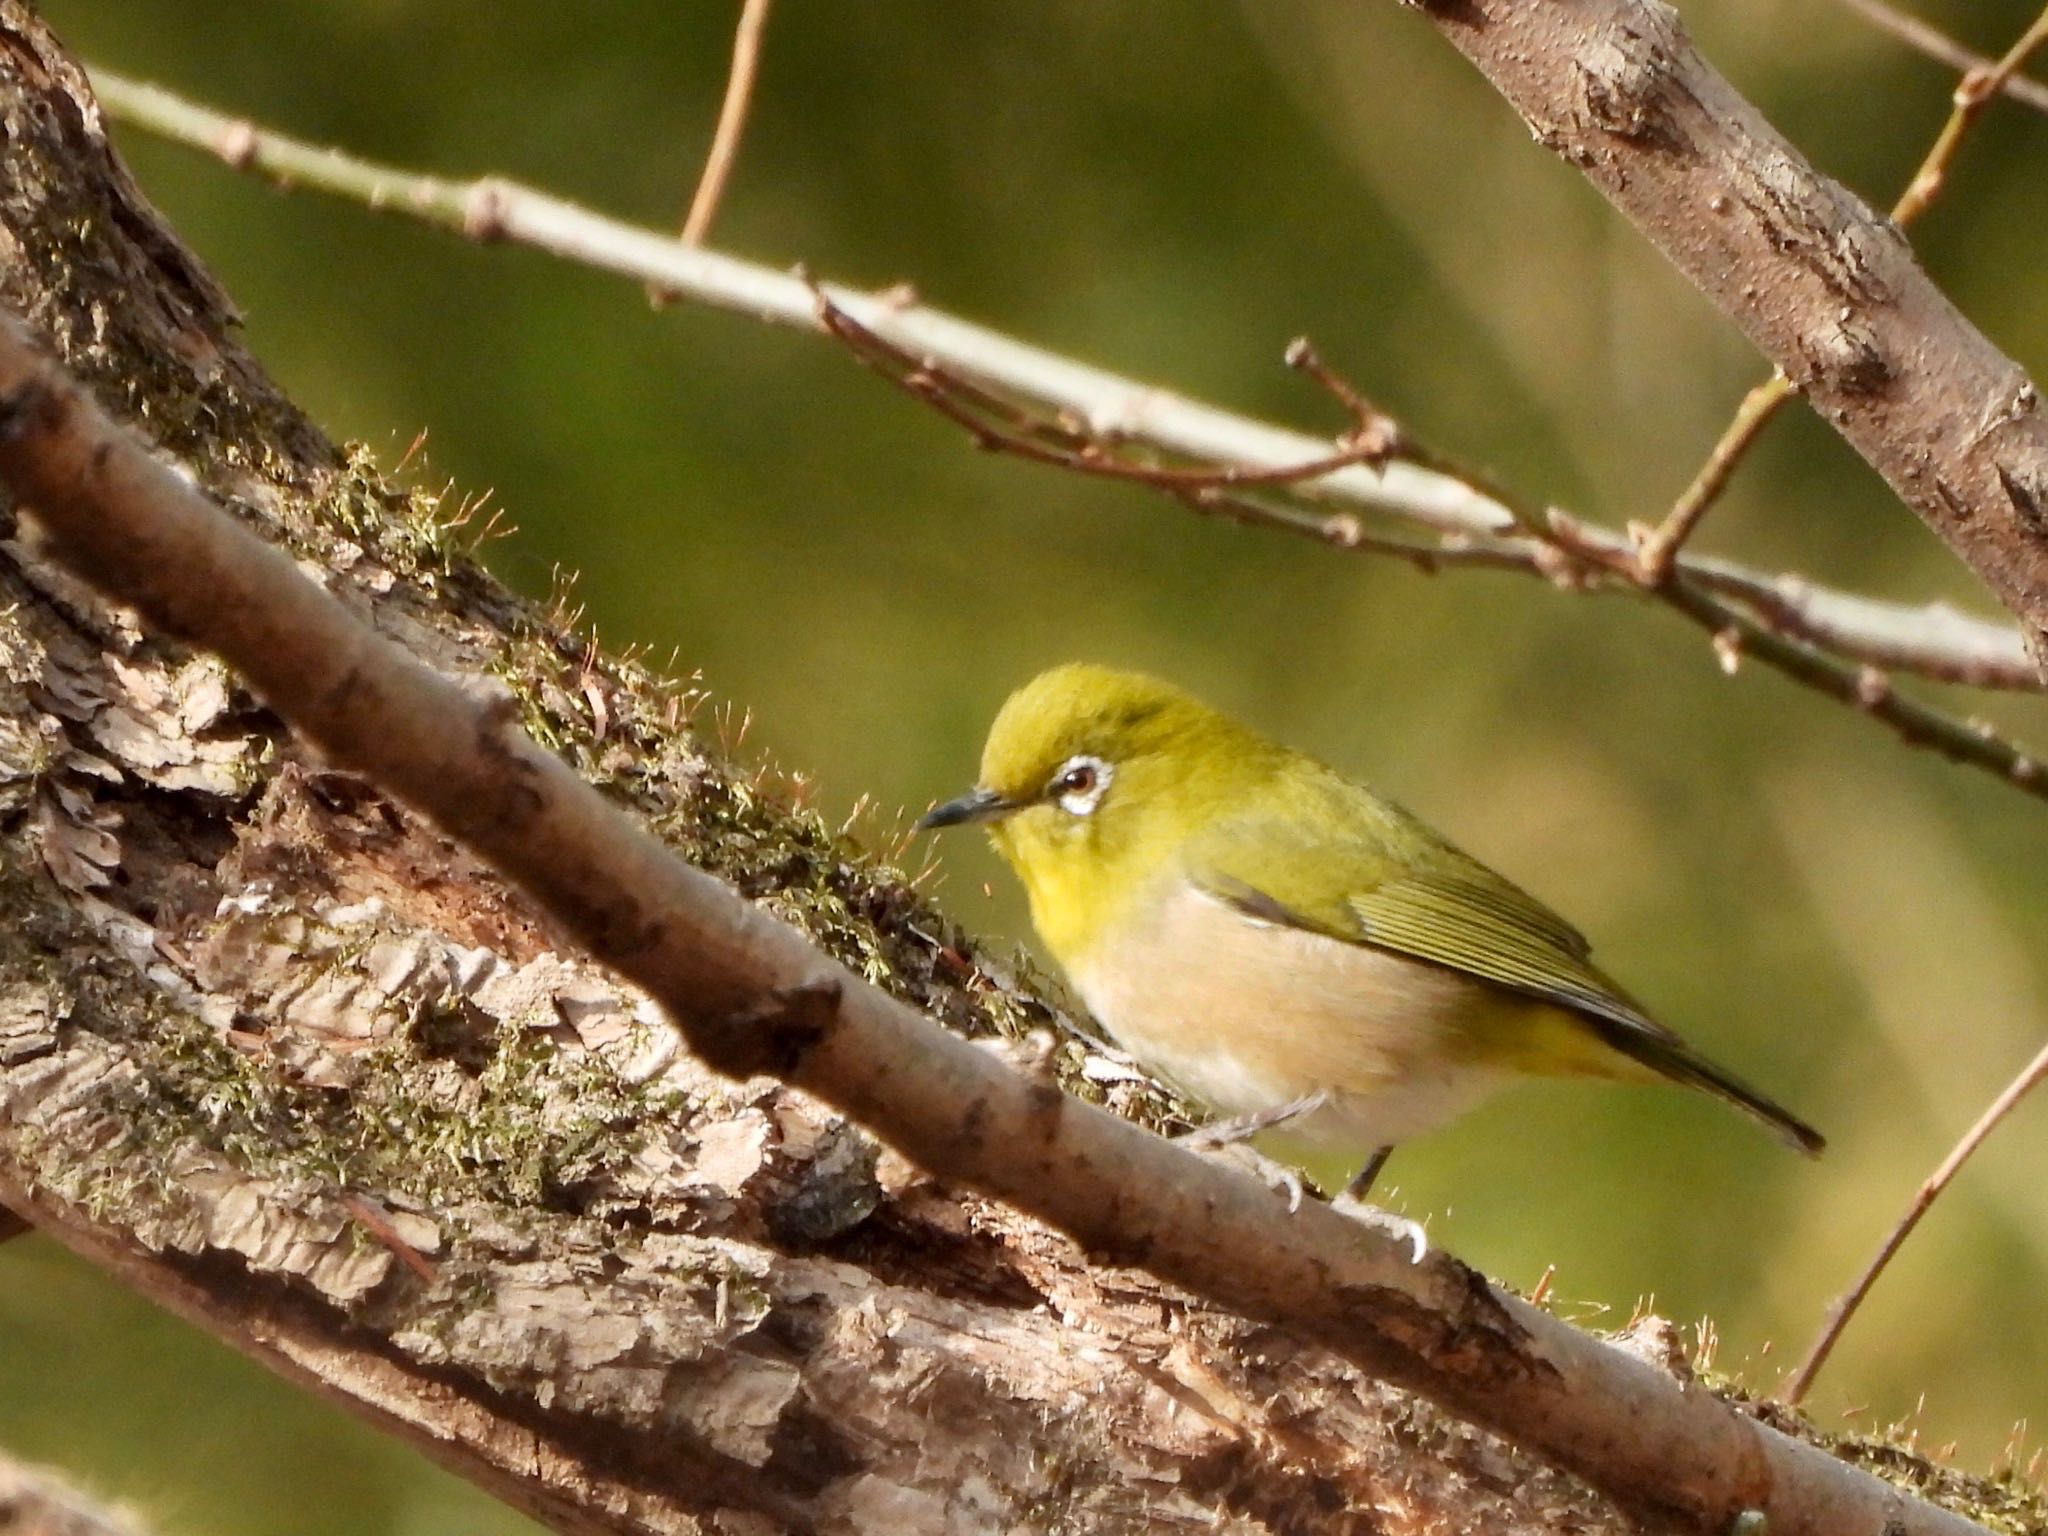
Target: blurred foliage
(1174, 188)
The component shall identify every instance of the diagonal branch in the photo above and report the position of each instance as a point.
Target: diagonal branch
(1658, 547)
(753, 996)
(1828, 291)
(2030, 1077)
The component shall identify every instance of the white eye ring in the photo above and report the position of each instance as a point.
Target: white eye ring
(1080, 784)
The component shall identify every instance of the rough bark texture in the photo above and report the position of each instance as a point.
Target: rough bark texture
(290, 1064)
(1828, 290)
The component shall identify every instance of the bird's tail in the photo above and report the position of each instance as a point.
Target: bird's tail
(1668, 1056)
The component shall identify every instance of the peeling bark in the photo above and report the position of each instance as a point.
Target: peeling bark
(286, 1061)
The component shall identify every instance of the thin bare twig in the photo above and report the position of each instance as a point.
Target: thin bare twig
(1973, 94)
(725, 138)
(1001, 426)
(1942, 48)
(997, 425)
(1657, 548)
(1302, 356)
(1660, 546)
(732, 121)
(2030, 1077)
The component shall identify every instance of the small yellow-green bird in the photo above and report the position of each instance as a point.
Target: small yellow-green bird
(1301, 956)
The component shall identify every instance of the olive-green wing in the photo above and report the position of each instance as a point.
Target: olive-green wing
(1480, 926)
(1371, 874)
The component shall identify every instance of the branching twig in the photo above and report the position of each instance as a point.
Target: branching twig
(1476, 524)
(1933, 641)
(2030, 1077)
(751, 995)
(997, 425)
(1660, 546)
(1760, 621)
(1973, 94)
(1939, 46)
(1000, 426)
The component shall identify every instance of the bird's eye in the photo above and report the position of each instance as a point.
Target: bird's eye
(1079, 785)
(1077, 780)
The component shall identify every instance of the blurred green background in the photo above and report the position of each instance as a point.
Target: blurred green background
(1174, 188)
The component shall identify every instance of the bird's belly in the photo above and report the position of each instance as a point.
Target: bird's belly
(1245, 1016)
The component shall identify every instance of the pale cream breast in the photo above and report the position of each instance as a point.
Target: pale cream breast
(1245, 1015)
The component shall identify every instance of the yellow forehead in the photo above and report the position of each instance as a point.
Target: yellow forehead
(1081, 710)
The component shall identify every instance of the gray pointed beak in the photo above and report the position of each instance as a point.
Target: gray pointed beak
(976, 805)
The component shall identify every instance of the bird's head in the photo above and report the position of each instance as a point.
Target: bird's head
(1091, 778)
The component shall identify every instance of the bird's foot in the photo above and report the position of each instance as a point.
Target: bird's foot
(1276, 1176)
(1401, 1227)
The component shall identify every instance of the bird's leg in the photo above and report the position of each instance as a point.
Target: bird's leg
(1224, 1133)
(1362, 1181)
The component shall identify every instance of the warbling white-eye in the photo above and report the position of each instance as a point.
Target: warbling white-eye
(1280, 943)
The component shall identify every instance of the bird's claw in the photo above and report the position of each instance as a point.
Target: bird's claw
(1276, 1176)
(1400, 1227)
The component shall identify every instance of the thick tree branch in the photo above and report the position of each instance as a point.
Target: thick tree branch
(1826, 289)
(1661, 544)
